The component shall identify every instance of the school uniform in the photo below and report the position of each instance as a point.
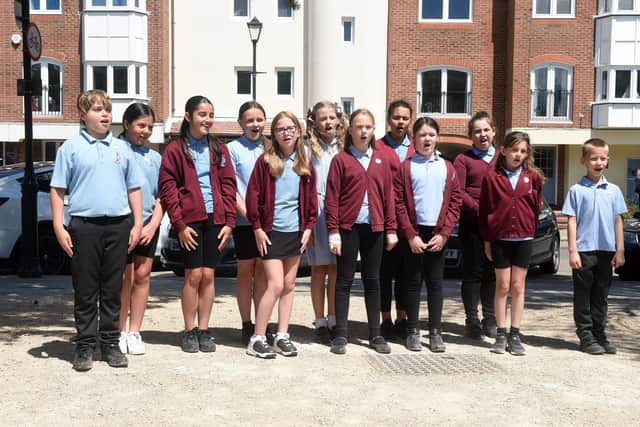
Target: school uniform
(478, 276)
(244, 154)
(200, 194)
(360, 206)
(318, 253)
(283, 207)
(392, 267)
(148, 161)
(427, 203)
(97, 174)
(595, 207)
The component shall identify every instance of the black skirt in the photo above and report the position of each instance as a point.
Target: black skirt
(283, 244)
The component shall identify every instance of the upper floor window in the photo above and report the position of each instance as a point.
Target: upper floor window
(607, 6)
(551, 92)
(445, 91)
(48, 100)
(45, 6)
(90, 4)
(554, 8)
(285, 9)
(241, 8)
(118, 80)
(347, 106)
(284, 82)
(445, 10)
(243, 82)
(625, 82)
(347, 30)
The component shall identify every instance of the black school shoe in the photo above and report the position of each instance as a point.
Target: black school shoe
(472, 329)
(605, 344)
(401, 328)
(83, 359)
(247, 332)
(387, 329)
(379, 345)
(190, 342)
(113, 356)
(489, 328)
(591, 347)
(206, 342)
(514, 345)
(339, 345)
(322, 335)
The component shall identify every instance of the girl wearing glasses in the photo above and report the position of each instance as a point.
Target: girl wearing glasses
(360, 211)
(282, 208)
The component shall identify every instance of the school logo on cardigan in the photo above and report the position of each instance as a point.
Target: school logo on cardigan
(223, 161)
(378, 161)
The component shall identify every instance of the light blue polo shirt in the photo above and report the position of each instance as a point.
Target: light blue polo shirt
(97, 175)
(428, 180)
(513, 176)
(148, 161)
(244, 154)
(595, 206)
(400, 147)
(200, 153)
(364, 159)
(487, 156)
(286, 214)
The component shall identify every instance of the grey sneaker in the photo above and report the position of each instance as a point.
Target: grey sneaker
(284, 346)
(413, 340)
(379, 345)
(339, 345)
(436, 343)
(500, 346)
(206, 342)
(514, 345)
(258, 347)
(190, 341)
(113, 356)
(83, 359)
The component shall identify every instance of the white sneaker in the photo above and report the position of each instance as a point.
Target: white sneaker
(122, 342)
(135, 343)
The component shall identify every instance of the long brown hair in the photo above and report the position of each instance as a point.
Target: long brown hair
(214, 143)
(348, 141)
(273, 154)
(312, 132)
(511, 139)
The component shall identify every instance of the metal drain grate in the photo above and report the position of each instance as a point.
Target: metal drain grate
(431, 364)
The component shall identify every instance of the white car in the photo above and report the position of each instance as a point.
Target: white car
(53, 260)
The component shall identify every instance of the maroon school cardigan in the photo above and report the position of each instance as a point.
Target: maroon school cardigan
(406, 205)
(388, 151)
(346, 186)
(180, 193)
(261, 196)
(507, 213)
(471, 170)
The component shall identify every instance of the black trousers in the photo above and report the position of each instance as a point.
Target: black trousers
(591, 285)
(428, 266)
(478, 276)
(369, 244)
(97, 265)
(391, 277)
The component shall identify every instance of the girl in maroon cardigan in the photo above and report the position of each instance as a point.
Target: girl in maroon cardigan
(510, 200)
(428, 207)
(282, 207)
(198, 190)
(360, 209)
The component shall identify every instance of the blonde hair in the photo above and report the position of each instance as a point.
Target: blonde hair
(593, 143)
(312, 131)
(273, 154)
(359, 112)
(94, 96)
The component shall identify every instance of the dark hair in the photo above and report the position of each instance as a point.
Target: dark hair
(396, 104)
(134, 112)
(425, 121)
(511, 139)
(214, 143)
(347, 136)
(248, 106)
(480, 115)
(593, 142)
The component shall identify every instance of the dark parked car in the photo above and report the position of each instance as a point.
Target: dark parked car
(631, 268)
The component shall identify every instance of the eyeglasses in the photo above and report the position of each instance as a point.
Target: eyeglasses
(288, 129)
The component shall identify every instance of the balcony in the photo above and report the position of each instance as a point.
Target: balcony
(615, 115)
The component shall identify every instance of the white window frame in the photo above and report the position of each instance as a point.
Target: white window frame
(553, 14)
(613, 6)
(131, 79)
(352, 21)
(443, 86)
(445, 13)
(43, 8)
(131, 4)
(242, 17)
(633, 97)
(292, 80)
(343, 102)
(550, 101)
(243, 69)
(44, 73)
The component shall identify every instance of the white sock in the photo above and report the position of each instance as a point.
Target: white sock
(320, 322)
(331, 321)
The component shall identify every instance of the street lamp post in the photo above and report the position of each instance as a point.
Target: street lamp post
(255, 28)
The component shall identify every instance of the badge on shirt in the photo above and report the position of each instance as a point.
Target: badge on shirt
(526, 179)
(223, 161)
(378, 161)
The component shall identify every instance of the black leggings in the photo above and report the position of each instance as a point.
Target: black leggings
(391, 277)
(369, 244)
(428, 266)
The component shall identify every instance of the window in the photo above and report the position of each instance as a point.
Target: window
(99, 3)
(285, 82)
(45, 6)
(445, 10)
(48, 100)
(347, 106)
(554, 8)
(551, 94)
(119, 80)
(623, 84)
(347, 29)
(112, 3)
(604, 86)
(444, 91)
(100, 77)
(285, 10)
(243, 85)
(241, 8)
(625, 4)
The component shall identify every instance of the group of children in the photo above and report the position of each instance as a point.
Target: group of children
(336, 193)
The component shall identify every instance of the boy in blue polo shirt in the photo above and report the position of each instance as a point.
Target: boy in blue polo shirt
(595, 235)
(103, 184)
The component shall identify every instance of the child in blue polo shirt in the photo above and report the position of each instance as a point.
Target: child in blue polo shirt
(596, 244)
(103, 184)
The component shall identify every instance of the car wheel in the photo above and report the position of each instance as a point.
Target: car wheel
(178, 272)
(552, 266)
(53, 260)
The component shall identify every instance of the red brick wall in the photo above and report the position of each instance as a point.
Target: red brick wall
(158, 68)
